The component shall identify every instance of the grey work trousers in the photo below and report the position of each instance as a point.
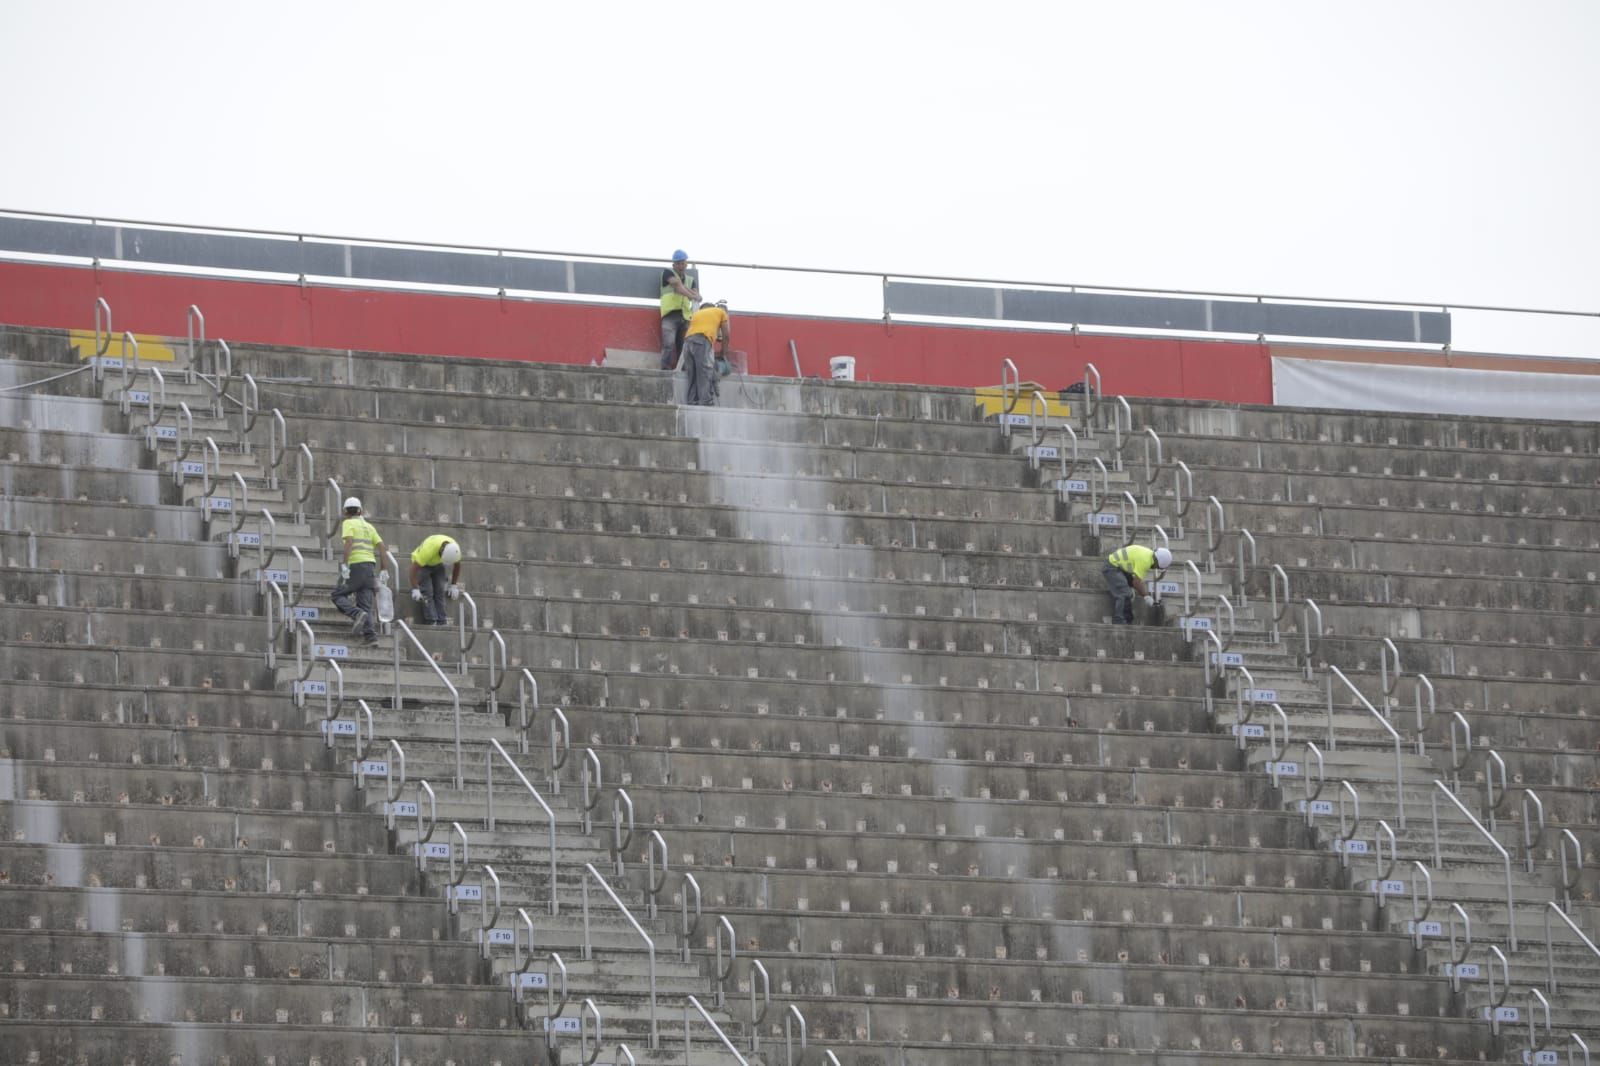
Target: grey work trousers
(702, 370)
(434, 581)
(356, 594)
(1121, 595)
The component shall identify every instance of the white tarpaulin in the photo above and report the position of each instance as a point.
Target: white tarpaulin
(1434, 389)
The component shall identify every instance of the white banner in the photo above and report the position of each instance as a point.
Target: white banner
(1434, 389)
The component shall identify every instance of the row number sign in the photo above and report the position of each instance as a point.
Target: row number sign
(330, 651)
(1284, 769)
(401, 809)
(1073, 485)
(1103, 519)
(312, 688)
(339, 727)
(432, 850)
(310, 614)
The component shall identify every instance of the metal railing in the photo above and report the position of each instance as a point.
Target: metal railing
(1121, 429)
(1151, 473)
(793, 1015)
(525, 682)
(277, 446)
(1568, 883)
(274, 619)
(691, 1001)
(1438, 852)
(1530, 838)
(758, 1013)
(1423, 684)
(102, 335)
(650, 945)
(1460, 747)
(467, 635)
(1243, 585)
(1388, 680)
(1091, 398)
(1214, 531)
(494, 749)
(1394, 735)
(191, 316)
(455, 694)
(1279, 607)
(305, 474)
(1308, 607)
(1010, 393)
(1181, 500)
(1552, 907)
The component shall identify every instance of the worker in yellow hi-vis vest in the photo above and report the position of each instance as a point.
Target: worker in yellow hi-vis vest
(1126, 571)
(680, 291)
(429, 586)
(358, 571)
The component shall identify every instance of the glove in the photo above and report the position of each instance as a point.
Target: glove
(344, 572)
(454, 592)
(416, 594)
(1149, 601)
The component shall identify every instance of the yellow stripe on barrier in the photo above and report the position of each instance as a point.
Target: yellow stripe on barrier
(152, 349)
(991, 400)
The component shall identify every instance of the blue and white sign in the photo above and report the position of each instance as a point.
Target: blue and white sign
(1261, 695)
(248, 540)
(504, 936)
(1425, 928)
(166, 432)
(1044, 451)
(1101, 518)
(189, 466)
(339, 727)
(330, 651)
(1015, 419)
(371, 767)
(467, 893)
(1229, 658)
(1194, 622)
(432, 850)
(217, 503)
(1249, 729)
(401, 809)
(563, 1025)
(1285, 769)
(138, 396)
(1317, 806)
(1464, 970)
(272, 574)
(1387, 888)
(1351, 847)
(310, 614)
(1541, 1058)
(1072, 485)
(1501, 1014)
(530, 980)
(107, 360)
(311, 688)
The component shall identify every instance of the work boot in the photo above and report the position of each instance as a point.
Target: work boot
(358, 621)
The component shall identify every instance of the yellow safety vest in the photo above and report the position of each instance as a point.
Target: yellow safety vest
(366, 539)
(431, 551)
(1136, 559)
(671, 300)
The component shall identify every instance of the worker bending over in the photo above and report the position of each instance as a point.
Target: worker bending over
(429, 587)
(708, 326)
(1125, 571)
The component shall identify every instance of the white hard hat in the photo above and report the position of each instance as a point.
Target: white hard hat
(1163, 558)
(353, 503)
(451, 553)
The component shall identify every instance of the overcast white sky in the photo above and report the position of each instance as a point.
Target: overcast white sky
(1411, 150)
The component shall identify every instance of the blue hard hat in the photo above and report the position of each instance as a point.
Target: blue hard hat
(680, 256)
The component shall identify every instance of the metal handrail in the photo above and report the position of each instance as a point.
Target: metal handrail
(1206, 659)
(1418, 912)
(190, 316)
(1582, 1045)
(1530, 839)
(1180, 500)
(1534, 1043)
(524, 683)
(1151, 473)
(592, 784)
(496, 678)
(1010, 392)
(1128, 529)
(127, 339)
(622, 1049)
(1383, 872)
(1491, 802)
(222, 359)
(266, 545)
(1233, 628)
(757, 1017)
(154, 410)
(1309, 607)
(495, 748)
(719, 972)
(793, 1015)
(1549, 944)
(1105, 485)
(1092, 395)
(1066, 471)
(619, 843)
(1278, 609)
(1438, 854)
(102, 334)
(650, 945)
(249, 408)
(520, 963)
(1118, 441)
(655, 847)
(1199, 584)
(184, 441)
(875, 274)
(397, 754)
(1255, 560)
(330, 711)
(686, 928)
(304, 662)
(332, 501)
(1466, 936)
(1214, 535)
(237, 505)
(1243, 710)
(277, 445)
(466, 636)
(485, 919)
(1161, 534)
(1394, 734)
(1346, 834)
(274, 627)
(433, 823)
(1385, 648)
(452, 903)
(1275, 751)
(1505, 986)
(455, 694)
(585, 1056)
(1422, 683)
(560, 746)
(552, 1009)
(1322, 779)
(305, 473)
(691, 1001)
(296, 591)
(1569, 883)
(1038, 417)
(1458, 761)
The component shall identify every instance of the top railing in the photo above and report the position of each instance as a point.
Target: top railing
(904, 293)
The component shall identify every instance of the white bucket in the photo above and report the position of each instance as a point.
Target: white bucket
(843, 367)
